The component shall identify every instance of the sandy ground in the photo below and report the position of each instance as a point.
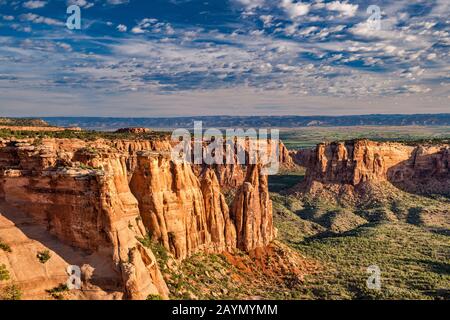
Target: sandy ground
(27, 239)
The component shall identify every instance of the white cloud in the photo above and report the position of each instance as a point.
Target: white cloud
(34, 4)
(344, 8)
(314, 59)
(267, 20)
(40, 19)
(294, 10)
(251, 4)
(432, 56)
(137, 30)
(117, 2)
(81, 3)
(122, 28)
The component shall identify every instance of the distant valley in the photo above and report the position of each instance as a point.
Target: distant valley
(98, 123)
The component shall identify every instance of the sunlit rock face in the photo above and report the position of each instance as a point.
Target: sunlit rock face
(101, 196)
(252, 212)
(419, 169)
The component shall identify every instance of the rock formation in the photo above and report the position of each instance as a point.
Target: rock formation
(101, 196)
(93, 210)
(232, 175)
(418, 169)
(133, 130)
(171, 203)
(252, 212)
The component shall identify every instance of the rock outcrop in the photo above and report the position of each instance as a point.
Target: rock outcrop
(418, 169)
(252, 212)
(232, 175)
(133, 130)
(92, 210)
(185, 213)
(102, 196)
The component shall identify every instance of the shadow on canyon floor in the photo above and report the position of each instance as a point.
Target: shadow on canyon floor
(104, 276)
(432, 177)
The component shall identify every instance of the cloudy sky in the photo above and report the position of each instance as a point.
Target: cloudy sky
(217, 57)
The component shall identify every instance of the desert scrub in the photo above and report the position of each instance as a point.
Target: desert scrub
(57, 292)
(88, 167)
(5, 247)
(414, 263)
(85, 135)
(158, 250)
(11, 292)
(4, 273)
(43, 256)
(154, 297)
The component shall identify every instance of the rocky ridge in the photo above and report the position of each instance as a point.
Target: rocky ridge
(102, 196)
(349, 169)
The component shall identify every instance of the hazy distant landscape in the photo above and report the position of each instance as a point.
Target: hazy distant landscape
(108, 123)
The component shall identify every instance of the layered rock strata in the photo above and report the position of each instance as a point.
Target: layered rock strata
(102, 196)
(418, 169)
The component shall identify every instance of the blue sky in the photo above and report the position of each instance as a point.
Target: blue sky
(236, 57)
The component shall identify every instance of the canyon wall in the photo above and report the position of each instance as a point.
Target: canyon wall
(186, 214)
(418, 169)
(252, 212)
(102, 196)
(93, 210)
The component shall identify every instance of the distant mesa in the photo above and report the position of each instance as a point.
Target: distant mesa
(32, 124)
(23, 122)
(134, 130)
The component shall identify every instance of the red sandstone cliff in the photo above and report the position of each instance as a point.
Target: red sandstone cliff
(93, 210)
(418, 169)
(93, 195)
(180, 212)
(252, 212)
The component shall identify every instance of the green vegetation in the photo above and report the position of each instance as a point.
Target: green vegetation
(309, 137)
(87, 167)
(158, 250)
(407, 238)
(4, 273)
(291, 228)
(414, 263)
(154, 297)
(229, 196)
(204, 276)
(83, 135)
(58, 292)
(44, 256)
(404, 234)
(5, 247)
(23, 122)
(11, 292)
(225, 276)
(286, 179)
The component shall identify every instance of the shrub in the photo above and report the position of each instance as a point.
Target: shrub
(11, 292)
(44, 256)
(5, 247)
(4, 273)
(158, 250)
(57, 292)
(154, 297)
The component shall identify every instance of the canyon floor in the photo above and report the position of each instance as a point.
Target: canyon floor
(413, 256)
